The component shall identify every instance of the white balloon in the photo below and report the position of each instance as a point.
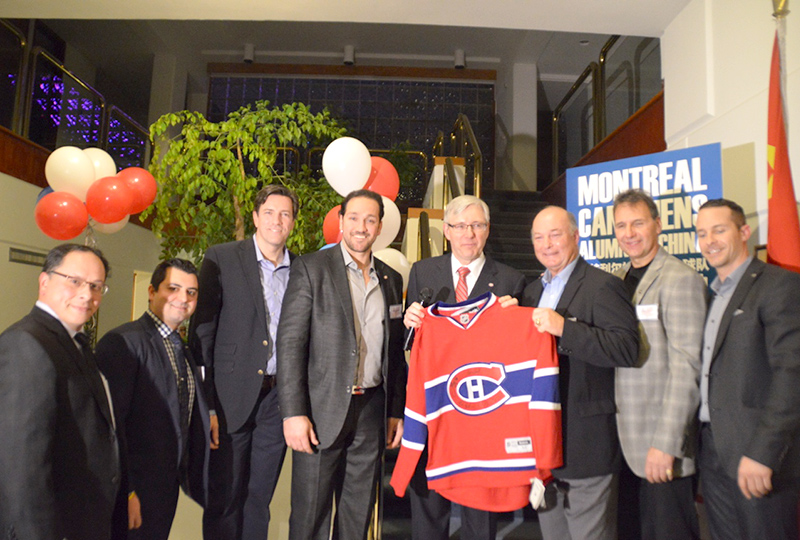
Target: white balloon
(103, 163)
(109, 228)
(391, 225)
(397, 261)
(69, 169)
(347, 165)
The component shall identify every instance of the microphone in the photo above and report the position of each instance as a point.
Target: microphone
(425, 296)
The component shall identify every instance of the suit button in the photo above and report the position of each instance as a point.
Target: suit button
(265, 343)
(355, 352)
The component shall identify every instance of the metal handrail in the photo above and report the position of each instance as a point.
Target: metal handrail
(450, 183)
(23, 42)
(463, 138)
(591, 69)
(600, 105)
(424, 240)
(40, 52)
(438, 145)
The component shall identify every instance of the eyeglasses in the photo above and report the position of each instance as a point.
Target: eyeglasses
(76, 283)
(461, 228)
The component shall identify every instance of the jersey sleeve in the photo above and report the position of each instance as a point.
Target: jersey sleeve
(545, 408)
(415, 427)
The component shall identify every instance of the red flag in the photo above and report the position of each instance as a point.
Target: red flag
(783, 233)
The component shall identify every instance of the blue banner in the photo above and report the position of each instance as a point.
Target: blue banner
(679, 181)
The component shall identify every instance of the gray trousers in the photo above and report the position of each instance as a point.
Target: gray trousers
(580, 509)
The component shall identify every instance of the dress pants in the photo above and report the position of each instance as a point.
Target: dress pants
(347, 470)
(733, 517)
(580, 509)
(158, 500)
(243, 473)
(430, 512)
(664, 511)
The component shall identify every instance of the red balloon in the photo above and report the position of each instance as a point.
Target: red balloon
(330, 227)
(142, 185)
(383, 178)
(109, 199)
(61, 215)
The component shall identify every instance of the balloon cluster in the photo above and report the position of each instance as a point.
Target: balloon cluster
(85, 189)
(348, 166)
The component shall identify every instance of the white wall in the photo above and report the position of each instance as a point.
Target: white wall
(716, 58)
(132, 248)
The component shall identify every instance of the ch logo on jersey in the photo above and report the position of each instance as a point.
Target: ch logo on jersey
(475, 388)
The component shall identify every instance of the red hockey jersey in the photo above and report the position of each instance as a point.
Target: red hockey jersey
(483, 392)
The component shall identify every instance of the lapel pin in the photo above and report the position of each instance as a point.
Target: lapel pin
(491, 284)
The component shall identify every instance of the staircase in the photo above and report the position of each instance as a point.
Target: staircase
(510, 234)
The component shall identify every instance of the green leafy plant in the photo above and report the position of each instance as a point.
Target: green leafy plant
(209, 173)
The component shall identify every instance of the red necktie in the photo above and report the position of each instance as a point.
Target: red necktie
(461, 287)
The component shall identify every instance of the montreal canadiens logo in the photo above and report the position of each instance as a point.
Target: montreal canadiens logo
(475, 388)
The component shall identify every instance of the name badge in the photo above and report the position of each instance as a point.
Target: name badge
(647, 312)
(395, 311)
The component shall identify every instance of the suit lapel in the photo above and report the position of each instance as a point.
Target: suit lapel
(650, 276)
(338, 273)
(169, 387)
(86, 364)
(486, 279)
(739, 294)
(572, 286)
(247, 258)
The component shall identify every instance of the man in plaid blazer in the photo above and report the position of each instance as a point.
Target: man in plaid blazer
(657, 400)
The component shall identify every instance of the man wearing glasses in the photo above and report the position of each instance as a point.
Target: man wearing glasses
(59, 464)
(463, 274)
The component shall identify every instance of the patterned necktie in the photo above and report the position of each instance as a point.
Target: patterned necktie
(461, 287)
(183, 383)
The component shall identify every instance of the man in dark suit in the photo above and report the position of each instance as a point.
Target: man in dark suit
(341, 375)
(162, 416)
(749, 399)
(59, 463)
(233, 336)
(466, 227)
(590, 313)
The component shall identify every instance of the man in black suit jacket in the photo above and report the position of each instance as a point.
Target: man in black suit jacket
(591, 315)
(59, 462)
(466, 227)
(341, 375)
(750, 402)
(162, 416)
(233, 336)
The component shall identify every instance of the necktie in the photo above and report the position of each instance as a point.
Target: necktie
(92, 371)
(183, 383)
(461, 287)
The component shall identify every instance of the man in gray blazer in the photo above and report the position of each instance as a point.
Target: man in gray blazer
(233, 335)
(341, 375)
(657, 399)
(750, 399)
(466, 222)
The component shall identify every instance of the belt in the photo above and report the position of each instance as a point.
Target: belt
(269, 382)
(361, 391)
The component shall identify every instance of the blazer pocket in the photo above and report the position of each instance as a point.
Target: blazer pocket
(594, 408)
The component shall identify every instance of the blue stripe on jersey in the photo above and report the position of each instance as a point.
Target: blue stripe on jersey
(519, 384)
(546, 389)
(414, 430)
(500, 465)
